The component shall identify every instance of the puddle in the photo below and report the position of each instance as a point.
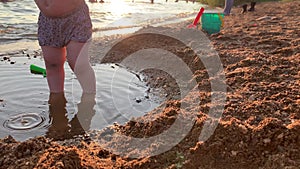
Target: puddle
(25, 112)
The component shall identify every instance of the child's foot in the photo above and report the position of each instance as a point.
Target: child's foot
(244, 8)
(252, 7)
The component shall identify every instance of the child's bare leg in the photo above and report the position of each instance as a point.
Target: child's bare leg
(78, 59)
(54, 61)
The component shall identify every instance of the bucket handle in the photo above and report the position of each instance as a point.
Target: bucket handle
(221, 19)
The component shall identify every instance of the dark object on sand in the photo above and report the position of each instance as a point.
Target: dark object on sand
(5, 58)
(252, 6)
(244, 8)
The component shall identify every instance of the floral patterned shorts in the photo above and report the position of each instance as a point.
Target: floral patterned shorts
(58, 32)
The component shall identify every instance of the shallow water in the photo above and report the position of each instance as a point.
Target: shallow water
(25, 112)
(121, 94)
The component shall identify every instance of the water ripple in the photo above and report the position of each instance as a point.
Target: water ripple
(26, 121)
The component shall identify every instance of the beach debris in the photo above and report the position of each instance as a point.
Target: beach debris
(280, 136)
(254, 25)
(12, 62)
(266, 17)
(1, 100)
(6, 58)
(138, 76)
(138, 100)
(37, 70)
(267, 140)
(194, 24)
(234, 153)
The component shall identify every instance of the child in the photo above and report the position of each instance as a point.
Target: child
(64, 32)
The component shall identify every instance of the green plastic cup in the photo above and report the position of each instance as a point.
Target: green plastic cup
(37, 70)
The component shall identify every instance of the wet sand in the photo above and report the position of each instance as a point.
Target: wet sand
(260, 125)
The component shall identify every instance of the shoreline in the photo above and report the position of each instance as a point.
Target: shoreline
(32, 45)
(260, 124)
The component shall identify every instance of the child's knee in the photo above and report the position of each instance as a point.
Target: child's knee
(81, 68)
(54, 65)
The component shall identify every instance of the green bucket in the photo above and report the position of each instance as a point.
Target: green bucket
(212, 22)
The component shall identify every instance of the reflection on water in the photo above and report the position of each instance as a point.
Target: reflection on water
(60, 127)
(28, 110)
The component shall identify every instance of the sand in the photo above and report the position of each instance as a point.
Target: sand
(260, 125)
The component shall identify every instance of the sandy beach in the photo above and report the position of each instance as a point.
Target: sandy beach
(260, 124)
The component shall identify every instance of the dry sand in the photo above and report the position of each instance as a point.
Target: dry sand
(260, 126)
